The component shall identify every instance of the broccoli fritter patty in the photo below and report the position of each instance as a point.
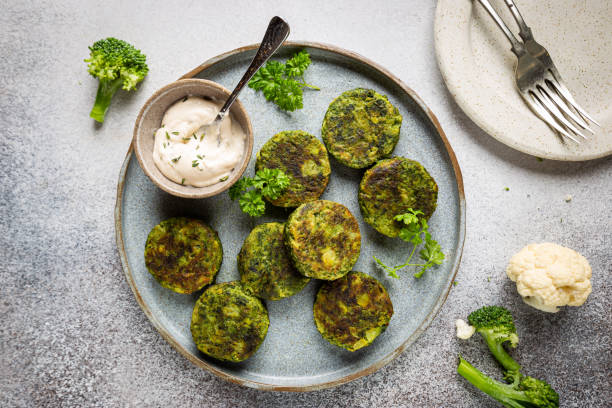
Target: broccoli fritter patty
(265, 268)
(183, 254)
(228, 323)
(360, 127)
(352, 311)
(392, 187)
(303, 159)
(323, 239)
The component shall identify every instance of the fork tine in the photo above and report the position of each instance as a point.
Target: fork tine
(556, 113)
(562, 104)
(534, 102)
(568, 96)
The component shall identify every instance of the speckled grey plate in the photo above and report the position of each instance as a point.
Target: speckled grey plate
(294, 357)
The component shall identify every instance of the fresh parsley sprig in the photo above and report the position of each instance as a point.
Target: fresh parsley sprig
(283, 83)
(416, 231)
(267, 182)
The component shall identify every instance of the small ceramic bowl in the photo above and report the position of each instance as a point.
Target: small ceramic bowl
(149, 120)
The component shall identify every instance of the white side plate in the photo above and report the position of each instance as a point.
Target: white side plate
(478, 68)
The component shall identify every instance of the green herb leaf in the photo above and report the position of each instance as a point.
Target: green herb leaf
(290, 96)
(167, 136)
(416, 231)
(411, 233)
(183, 181)
(175, 133)
(223, 178)
(239, 187)
(271, 182)
(390, 271)
(176, 159)
(296, 66)
(432, 252)
(268, 182)
(283, 83)
(410, 217)
(195, 163)
(267, 78)
(252, 204)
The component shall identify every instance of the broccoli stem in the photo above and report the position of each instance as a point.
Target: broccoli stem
(500, 353)
(504, 393)
(106, 90)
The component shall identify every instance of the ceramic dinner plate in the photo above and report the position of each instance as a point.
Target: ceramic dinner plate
(476, 62)
(294, 356)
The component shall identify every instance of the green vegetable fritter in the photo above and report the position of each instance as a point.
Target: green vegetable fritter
(352, 311)
(323, 239)
(392, 187)
(361, 127)
(228, 323)
(301, 157)
(183, 254)
(265, 268)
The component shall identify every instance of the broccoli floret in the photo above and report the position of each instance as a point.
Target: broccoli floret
(496, 325)
(116, 64)
(524, 392)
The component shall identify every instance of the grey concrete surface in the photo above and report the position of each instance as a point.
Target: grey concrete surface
(71, 332)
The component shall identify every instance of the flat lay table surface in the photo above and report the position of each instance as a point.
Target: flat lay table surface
(71, 331)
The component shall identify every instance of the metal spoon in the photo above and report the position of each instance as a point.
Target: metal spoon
(276, 34)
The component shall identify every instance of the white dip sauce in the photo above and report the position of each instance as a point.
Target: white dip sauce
(186, 155)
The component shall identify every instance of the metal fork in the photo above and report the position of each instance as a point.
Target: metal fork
(539, 82)
(538, 51)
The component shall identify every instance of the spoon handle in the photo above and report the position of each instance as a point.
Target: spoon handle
(275, 35)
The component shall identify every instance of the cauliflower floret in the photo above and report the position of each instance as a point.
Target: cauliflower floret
(548, 275)
(464, 330)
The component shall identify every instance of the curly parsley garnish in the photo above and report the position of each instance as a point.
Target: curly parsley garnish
(283, 83)
(416, 231)
(267, 182)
